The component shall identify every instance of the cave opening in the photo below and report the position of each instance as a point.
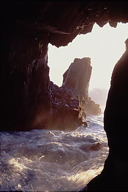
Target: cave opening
(104, 45)
(34, 157)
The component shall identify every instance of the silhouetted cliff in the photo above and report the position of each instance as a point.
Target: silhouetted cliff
(114, 175)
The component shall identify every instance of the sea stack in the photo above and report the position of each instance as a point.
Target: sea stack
(70, 103)
(77, 79)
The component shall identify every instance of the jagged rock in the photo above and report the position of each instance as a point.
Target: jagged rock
(26, 25)
(65, 109)
(23, 25)
(77, 78)
(24, 99)
(70, 103)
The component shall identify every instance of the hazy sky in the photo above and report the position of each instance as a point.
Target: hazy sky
(104, 45)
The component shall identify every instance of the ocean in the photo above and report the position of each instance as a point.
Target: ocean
(52, 160)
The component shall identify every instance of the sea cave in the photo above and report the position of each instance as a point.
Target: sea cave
(29, 100)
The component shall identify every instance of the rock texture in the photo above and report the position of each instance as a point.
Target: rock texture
(66, 113)
(77, 79)
(114, 174)
(24, 95)
(70, 103)
(25, 27)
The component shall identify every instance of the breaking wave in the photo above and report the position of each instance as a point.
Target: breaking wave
(45, 160)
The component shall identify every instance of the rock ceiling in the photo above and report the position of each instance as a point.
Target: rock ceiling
(62, 21)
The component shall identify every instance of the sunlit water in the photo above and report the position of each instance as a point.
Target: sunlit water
(44, 160)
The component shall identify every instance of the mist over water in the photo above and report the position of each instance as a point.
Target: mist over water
(44, 160)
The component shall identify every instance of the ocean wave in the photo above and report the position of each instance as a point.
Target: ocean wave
(45, 160)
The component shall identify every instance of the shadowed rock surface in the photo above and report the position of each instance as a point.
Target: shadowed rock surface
(114, 174)
(66, 113)
(26, 29)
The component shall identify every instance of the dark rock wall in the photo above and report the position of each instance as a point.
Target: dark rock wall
(24, 73)
(25, 78)
(114, 175)
(62, 20)
(117, 105)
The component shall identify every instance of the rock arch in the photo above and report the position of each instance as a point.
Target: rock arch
(24, 24)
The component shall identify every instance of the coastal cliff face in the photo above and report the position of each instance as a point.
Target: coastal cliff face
(25, 84)
(70, 103)
(26, 29)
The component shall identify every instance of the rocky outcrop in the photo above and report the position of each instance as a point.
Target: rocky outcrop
(77, 79)
(70, 103)
(24, 25)
(66, 113)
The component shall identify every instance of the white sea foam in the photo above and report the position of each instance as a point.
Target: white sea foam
(44, 160)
